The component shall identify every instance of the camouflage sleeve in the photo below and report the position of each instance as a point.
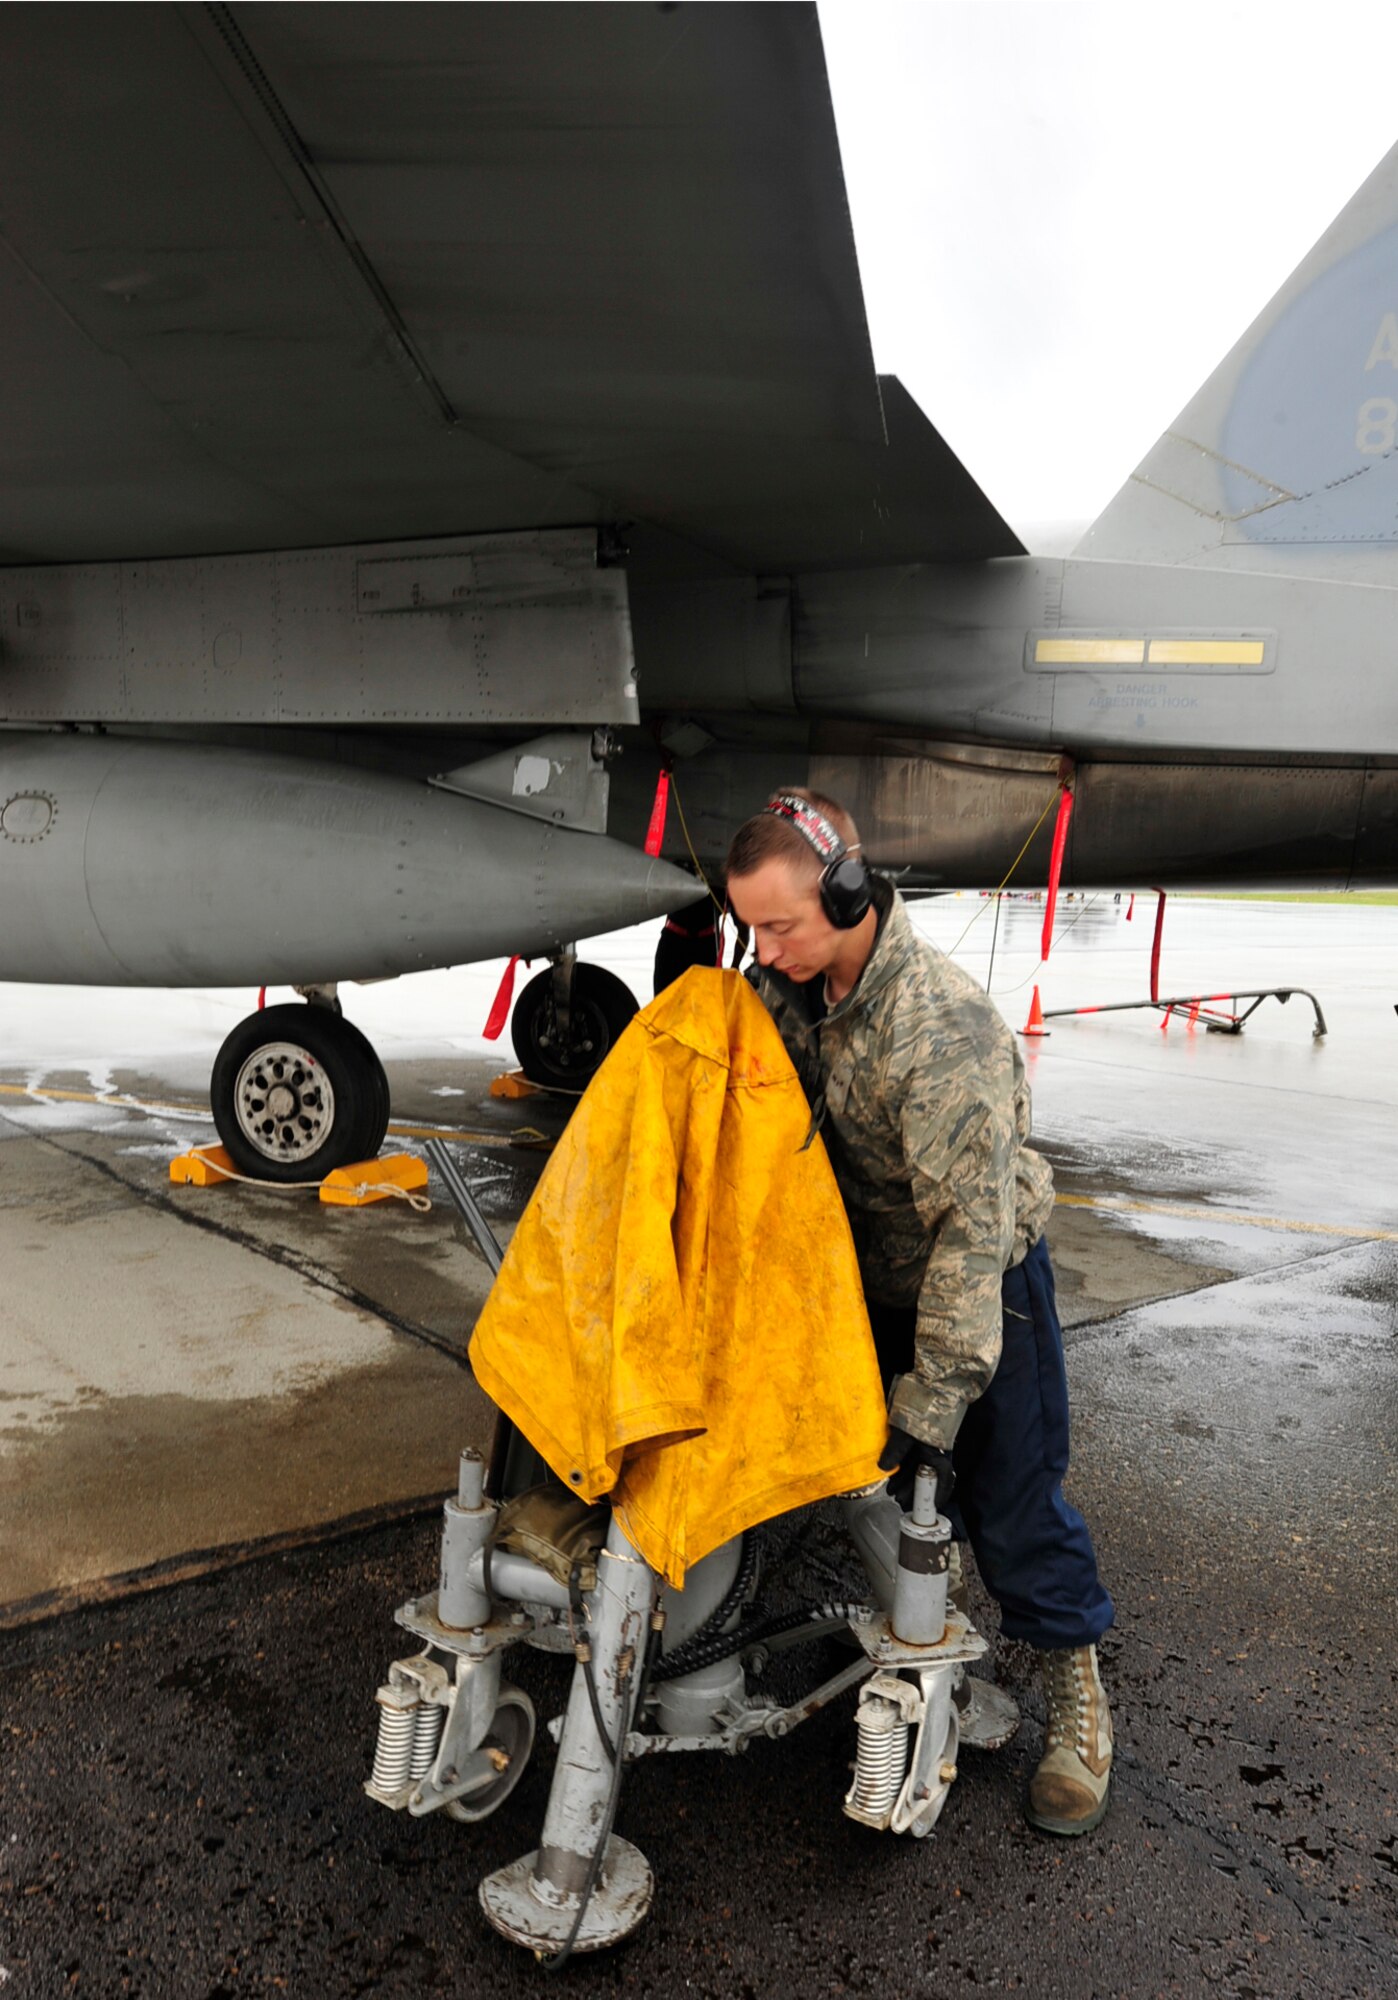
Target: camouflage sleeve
(959, 1187)
(795, 1039)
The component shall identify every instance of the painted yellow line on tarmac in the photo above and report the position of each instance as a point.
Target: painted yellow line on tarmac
(1185, 1213)
(41, 1094)
(528, 1133)
(1182, 1211)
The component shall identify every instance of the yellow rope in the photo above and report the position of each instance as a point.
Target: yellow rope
(720, 906)
(718, 902)
(420, 1202)
(1011, 869)
(1020, 983)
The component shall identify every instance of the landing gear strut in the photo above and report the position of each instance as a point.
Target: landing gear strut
(567, 1020)
(296, 1092)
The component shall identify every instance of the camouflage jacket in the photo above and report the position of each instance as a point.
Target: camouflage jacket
(925, 1111)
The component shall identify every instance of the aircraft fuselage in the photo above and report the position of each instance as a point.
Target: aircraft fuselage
(1220, 726)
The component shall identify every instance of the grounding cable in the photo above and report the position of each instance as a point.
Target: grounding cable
(1010, 870)
(720, 903)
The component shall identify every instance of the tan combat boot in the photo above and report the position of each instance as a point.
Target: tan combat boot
(1068, 1792)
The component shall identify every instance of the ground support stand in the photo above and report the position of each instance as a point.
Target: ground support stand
(455, 1736)
(1197, 1007)
(1194, 1006)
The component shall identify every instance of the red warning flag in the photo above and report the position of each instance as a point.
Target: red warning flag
(1060, 841)
(655, 832)
(1155, 948)
(500, 1011)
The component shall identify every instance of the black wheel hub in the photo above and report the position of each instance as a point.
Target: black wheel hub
(579, 1047)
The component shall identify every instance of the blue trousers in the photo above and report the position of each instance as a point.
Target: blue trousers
(1032, 1549)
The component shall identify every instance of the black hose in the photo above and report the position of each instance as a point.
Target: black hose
(594, 1867)
(584, 1655)
(734, 1595)
(708, 1651)
(717, 1618)
(655, 1667)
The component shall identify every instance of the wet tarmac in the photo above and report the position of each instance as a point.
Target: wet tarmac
(226, 1412)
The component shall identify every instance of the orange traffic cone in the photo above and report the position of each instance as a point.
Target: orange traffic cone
(1035, 1024)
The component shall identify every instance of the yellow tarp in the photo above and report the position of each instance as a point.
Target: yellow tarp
(679, 1320)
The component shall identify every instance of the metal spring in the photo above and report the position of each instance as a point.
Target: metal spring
(427, 1734)
(394, 1750)
(882, 1757)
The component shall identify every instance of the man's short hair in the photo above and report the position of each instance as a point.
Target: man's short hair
(766, 837)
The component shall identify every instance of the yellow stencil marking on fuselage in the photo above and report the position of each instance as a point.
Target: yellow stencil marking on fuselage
(1206, 652)
(1089, 652)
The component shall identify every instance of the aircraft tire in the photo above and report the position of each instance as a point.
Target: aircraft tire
(377, 1125)
(602, 1005)
(297, 1091)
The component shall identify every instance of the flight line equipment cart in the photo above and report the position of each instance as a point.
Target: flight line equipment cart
(657, 1671)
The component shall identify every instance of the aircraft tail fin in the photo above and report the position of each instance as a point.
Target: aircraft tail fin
(1287, 458)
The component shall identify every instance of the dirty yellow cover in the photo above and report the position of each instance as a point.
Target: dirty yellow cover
(678, 1322)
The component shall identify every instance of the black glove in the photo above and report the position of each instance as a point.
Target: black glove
(902, 1456)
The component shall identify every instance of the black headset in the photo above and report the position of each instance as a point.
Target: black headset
(845, 895)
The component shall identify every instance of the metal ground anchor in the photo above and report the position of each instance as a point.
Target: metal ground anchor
(513, 1900)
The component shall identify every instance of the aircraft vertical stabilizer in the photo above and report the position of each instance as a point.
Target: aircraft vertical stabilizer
(1287, 459)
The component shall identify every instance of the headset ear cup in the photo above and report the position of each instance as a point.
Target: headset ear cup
(844, 892)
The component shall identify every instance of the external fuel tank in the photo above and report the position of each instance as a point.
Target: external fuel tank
(153, 864)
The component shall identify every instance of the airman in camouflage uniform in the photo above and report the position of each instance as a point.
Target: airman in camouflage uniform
(920, 1092)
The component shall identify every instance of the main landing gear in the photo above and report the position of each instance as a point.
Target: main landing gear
(567, 1020)
(297, 1091)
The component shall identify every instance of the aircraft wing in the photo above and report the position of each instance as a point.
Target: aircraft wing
(282, 276)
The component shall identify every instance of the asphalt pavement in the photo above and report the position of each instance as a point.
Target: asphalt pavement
(230, 1417)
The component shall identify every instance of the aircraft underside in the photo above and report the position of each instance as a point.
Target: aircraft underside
(137, 862)
(419, 455)
(149, 862)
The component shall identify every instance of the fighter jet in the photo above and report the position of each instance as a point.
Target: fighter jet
(443, 447)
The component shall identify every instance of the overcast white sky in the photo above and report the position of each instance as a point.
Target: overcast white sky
(1067, 212)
